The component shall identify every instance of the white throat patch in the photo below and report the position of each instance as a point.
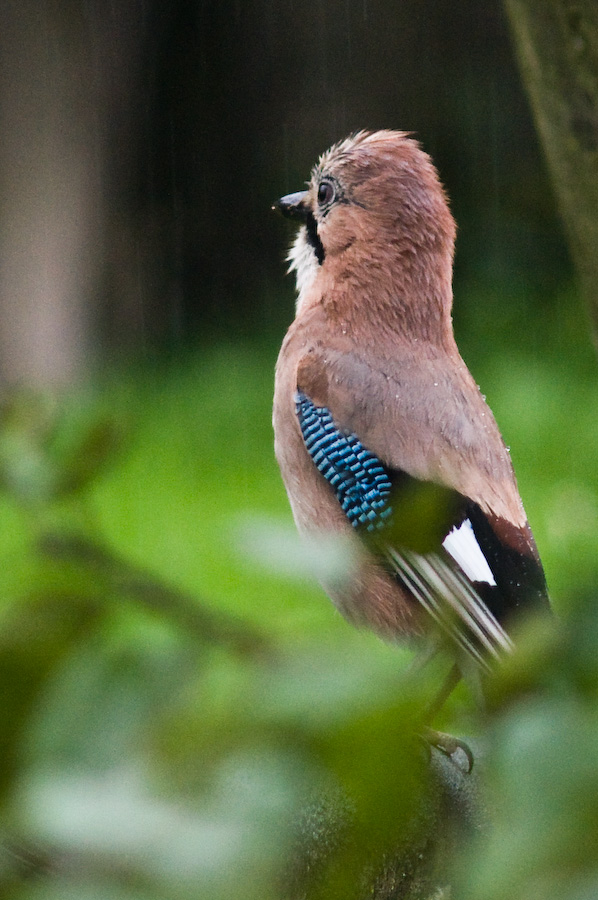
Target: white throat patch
(303, 263)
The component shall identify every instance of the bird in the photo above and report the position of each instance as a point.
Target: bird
(382, 435)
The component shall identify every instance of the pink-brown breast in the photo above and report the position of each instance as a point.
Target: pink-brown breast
(368, 596)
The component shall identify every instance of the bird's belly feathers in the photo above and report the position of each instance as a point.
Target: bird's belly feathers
(366, 594)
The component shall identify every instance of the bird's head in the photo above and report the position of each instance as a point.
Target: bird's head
(374, 211)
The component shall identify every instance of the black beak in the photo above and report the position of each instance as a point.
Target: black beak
(293, 206)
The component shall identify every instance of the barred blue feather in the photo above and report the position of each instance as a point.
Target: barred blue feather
(360, 481)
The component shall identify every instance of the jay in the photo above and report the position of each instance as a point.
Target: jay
(381, 434)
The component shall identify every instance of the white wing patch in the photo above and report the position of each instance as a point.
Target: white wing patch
(462, 545)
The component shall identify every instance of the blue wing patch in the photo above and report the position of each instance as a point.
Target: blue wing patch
(360, 481)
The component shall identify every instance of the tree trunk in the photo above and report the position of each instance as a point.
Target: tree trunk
(69, 114)
(557, 47)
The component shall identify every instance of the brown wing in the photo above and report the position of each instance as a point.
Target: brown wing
(420, 415)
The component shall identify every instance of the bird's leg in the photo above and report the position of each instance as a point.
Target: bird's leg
(447, 743)
(448, 686)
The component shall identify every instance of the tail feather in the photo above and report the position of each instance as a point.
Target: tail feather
(454, 604)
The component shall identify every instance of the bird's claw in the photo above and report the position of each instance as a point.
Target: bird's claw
(456, 750)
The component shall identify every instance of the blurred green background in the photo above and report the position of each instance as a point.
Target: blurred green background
(184, 714)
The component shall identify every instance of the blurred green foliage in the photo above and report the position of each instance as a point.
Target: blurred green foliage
(186, 716)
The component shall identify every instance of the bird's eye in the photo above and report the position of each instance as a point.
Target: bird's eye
(325, 193)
